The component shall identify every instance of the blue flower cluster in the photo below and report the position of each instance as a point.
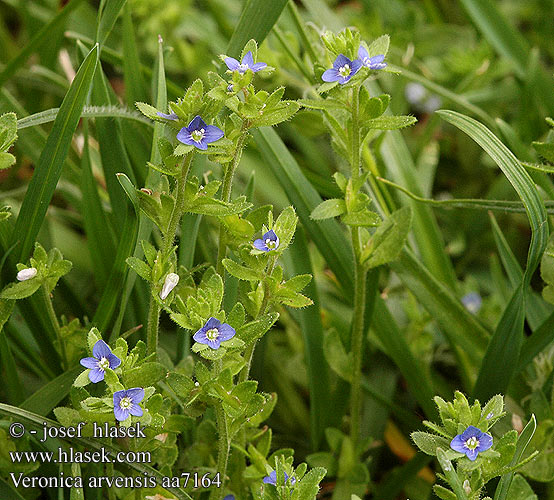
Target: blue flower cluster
(344, 69)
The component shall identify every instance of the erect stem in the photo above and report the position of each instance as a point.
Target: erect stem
(154, 308)
(356, 344)
(55, 323)
(224, 444)
(226, 196)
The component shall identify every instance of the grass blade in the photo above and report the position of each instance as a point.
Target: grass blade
(256, 21)
(135, 86)
(108, 18)
(49, 168)
(505, 345)
(312, 332)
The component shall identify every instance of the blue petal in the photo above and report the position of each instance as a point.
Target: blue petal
(362, 53)
(101, 350)
(214, 344)
(96, 375)
(136, 411)
(331, 75)
(212, 323)
(458, 444)
(117, 397)
(114, 361)
(376, 59)
(356, 65)
(196, 124)
(260, 245)
(201, 144)
(226, 332)
(258, 67)
(89, 363)
(170, 116)
(212, 133)
(472, 454)
(248, 60)
(200, 336)
(470, 432)
(184, 136)
(232, 63)
(485, 442)
(340, 61)
(136, 394)
(120, 414)
(271, 479)
(270, 235)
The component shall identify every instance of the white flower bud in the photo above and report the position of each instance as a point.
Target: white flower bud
(26, 274)
(170, 283)
(467, 487)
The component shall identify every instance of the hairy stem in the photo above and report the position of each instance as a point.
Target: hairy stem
(55, 323)
(154, 308)
(226, 197)
(356, 344)
(223, 445)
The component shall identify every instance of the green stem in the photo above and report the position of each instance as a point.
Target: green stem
(154, 308)
(55, 323)
(226, 197)
(356, 344)
(224, 445)
(301, 30)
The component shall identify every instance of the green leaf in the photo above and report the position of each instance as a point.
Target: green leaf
(388, 240)
(361, 218)
(390, 122)
(108, 18)
(21, 289)
(256, 21)
(428, 443)
(49, 168)
(140, 267)
(520, 490)
(6, 160)
(328, 208)
(8, 131)
(250, 332)
(144, 375)
(285, 226)
(379, 46)
(336, 355)
(241, 272)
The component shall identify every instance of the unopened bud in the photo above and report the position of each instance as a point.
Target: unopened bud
(467, 487)
(26, 274)
(170, 283)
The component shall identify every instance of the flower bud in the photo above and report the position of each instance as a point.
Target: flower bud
(26, 274)
(467, 487)
(170, 283)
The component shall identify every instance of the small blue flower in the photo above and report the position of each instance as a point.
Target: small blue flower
(375, 62)
(199, 134)
(343, 69)
(246, 64)
(229, 497)
(269, 241)
(213, 333)
(171, 116)
(103, 358)
(272, 479)
(472, 302)
(126, 403)
(471, 442)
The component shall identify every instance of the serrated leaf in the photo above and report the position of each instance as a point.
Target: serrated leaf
(329, 208)
(390, 122)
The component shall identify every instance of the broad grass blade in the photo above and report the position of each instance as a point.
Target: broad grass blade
(256, 21)
(49, 168)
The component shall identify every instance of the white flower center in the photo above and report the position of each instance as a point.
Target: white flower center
(270, 244)
(344, 71)
(126, 403)
(103, 363)
(472, 443)
(243, 68)
(366, 61)
(198, 135)
(212, 334)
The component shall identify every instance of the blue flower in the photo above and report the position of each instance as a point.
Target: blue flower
(269, 241)
(471, 442)
(375, 62)
(343, 69)
(229, 497)
(246, 64)
(199, 134)
(472, 302)
(126, 403)
(171, 116)
(272, 479)
(103, 358)
(213, 333)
